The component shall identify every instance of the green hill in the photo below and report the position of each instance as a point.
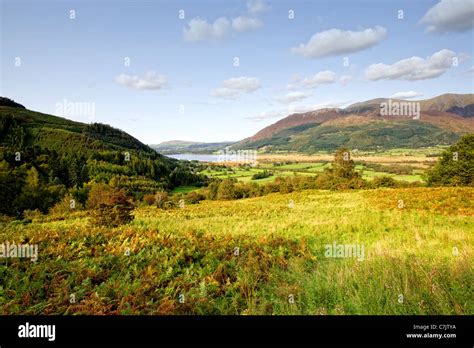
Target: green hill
(22, 127)
(45, 157)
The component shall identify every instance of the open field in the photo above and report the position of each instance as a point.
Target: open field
(376, 158)
(305, 168)
(399, 154)
(414, 163)
(264, 255)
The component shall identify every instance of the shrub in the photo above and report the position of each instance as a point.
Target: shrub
(33, 215)
(99, 193)
(194, 197)
(65, 206)
(6, 218)
(285, 185)
(211, 192)
(226, 189)
(162, 199)
(388, 168)
(383, 181)
(149, 199)
(79, 194)
(112, 209)
(262, 175)
(270, 188)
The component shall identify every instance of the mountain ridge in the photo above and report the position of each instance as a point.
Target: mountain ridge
(443, 119)
(181, 146)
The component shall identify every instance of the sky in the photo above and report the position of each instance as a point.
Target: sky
(216, 70)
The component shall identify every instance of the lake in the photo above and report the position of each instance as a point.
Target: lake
(197, 157)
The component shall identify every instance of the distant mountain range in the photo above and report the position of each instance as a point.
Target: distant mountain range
(179, 146)
(440, 121)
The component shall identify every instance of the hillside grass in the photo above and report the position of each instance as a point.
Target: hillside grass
(184, 189)
(254, 256)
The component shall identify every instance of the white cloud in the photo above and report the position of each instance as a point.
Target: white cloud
(321, 78)
(199, 29)
(150, 81)
(345, 79)
(236, 86)
(293, 97)
(242, 24)
(225, 93)
(406, 95)
(336, 41)
(256, 6)
(449, 16)
(265, 115)
(414, 68)
(246, 84)
(292, 109)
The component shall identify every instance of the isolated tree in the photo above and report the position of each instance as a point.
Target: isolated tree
(342, 174)
(343, 166)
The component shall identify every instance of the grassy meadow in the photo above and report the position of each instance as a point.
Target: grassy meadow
(264, 255)
(414, 168)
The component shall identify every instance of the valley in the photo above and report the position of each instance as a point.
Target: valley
(122, 229)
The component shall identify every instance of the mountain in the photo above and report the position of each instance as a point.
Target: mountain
(459, 104)
(180, 146)
(442, 120)
(20, 127)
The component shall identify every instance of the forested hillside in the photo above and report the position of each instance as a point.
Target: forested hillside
(44, 158)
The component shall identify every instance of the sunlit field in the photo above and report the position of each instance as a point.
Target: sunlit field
(414, 172)
(265, 255)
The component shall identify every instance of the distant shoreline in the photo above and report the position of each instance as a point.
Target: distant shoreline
(299, 157)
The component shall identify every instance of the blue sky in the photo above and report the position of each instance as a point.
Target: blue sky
(181, 82)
